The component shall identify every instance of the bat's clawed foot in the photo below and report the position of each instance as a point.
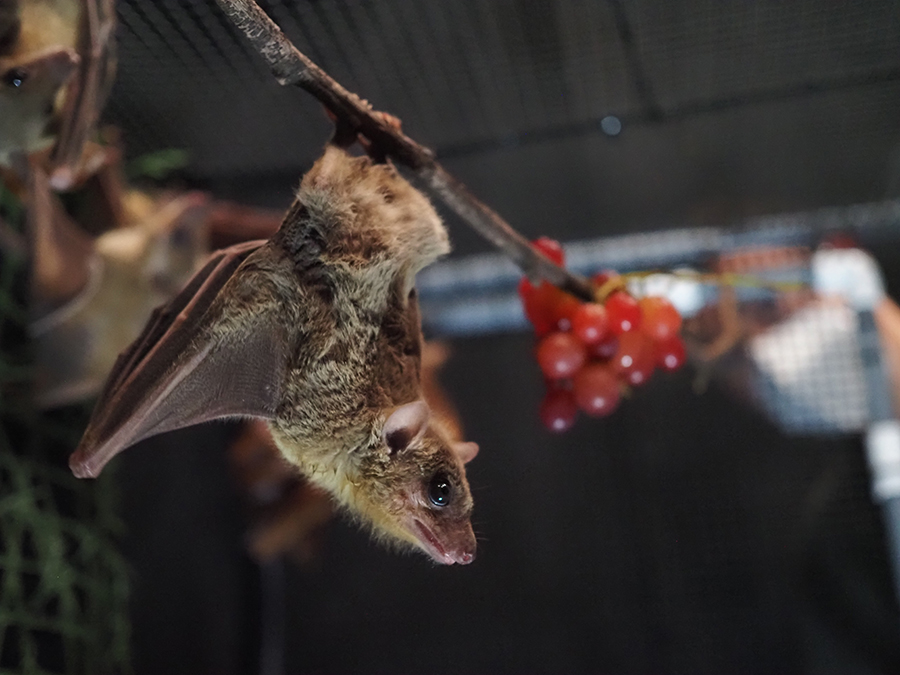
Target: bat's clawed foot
(388, 120)
(374, 149)
(346, 133)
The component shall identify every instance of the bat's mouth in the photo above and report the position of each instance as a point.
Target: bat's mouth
(436, 549)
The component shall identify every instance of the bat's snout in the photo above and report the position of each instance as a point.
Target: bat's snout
(465, 557)
(447, 545)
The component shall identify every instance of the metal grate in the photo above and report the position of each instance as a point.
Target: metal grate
(681, 534)
(471, 75)
(762, 48)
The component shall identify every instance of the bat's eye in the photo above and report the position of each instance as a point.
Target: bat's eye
(15, 77)
(439, 490)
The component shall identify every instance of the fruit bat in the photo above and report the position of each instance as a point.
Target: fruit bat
(71, 160)
(37, 57)
(317, 331)
(57, 63)
(91, 297)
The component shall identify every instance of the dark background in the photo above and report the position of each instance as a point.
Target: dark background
(682, 534)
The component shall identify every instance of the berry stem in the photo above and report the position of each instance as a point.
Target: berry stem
(714, 279)
(607, 288)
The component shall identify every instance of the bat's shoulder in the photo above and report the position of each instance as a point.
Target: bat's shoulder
(365, 210)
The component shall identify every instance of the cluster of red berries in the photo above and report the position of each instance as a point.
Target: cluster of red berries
(590, 351)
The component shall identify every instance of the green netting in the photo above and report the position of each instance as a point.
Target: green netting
(63, 584)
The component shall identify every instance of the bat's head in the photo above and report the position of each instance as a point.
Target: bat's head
(28, 92)
(413, 490)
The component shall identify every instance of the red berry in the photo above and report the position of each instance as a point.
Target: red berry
(548, 308)
(596, 389)
(659, 318)
(606, 349)
(642, 369)
(635, 355)
(560, 355)
(564, 310)
(624, 313)
(538, 306)
(550, 248)
(526, 288)
(670, 353)
(558, 410)
(590, 323)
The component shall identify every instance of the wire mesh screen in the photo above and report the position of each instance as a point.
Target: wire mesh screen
(810, 376)
(475, 75)
(684, 533)
(793, 49)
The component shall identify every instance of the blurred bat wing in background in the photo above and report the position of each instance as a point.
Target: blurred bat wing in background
(86, 94)
(174, 376)
(62, 251)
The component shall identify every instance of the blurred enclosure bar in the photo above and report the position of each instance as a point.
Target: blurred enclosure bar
(477, 294)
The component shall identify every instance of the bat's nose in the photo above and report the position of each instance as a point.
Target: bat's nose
(464, 552)
(465, 557)
(448, 543)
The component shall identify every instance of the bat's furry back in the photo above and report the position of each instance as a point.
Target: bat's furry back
(372, 221)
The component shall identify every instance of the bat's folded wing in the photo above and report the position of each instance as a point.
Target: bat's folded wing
(175, 374)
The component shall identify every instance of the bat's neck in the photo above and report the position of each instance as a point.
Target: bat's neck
(327, 459)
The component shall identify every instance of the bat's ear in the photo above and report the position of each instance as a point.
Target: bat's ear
(183, 370)
(466, 451)
(405, 425)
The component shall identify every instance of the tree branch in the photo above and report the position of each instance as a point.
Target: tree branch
(290, 66)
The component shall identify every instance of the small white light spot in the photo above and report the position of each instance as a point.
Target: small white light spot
(611, 125)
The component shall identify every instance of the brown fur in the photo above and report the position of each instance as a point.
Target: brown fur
(317, 331)
(337, 282)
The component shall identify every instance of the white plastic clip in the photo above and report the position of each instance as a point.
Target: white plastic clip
(849, 273)
(883, 452)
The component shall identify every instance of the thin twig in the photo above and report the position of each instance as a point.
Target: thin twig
(290, 66)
